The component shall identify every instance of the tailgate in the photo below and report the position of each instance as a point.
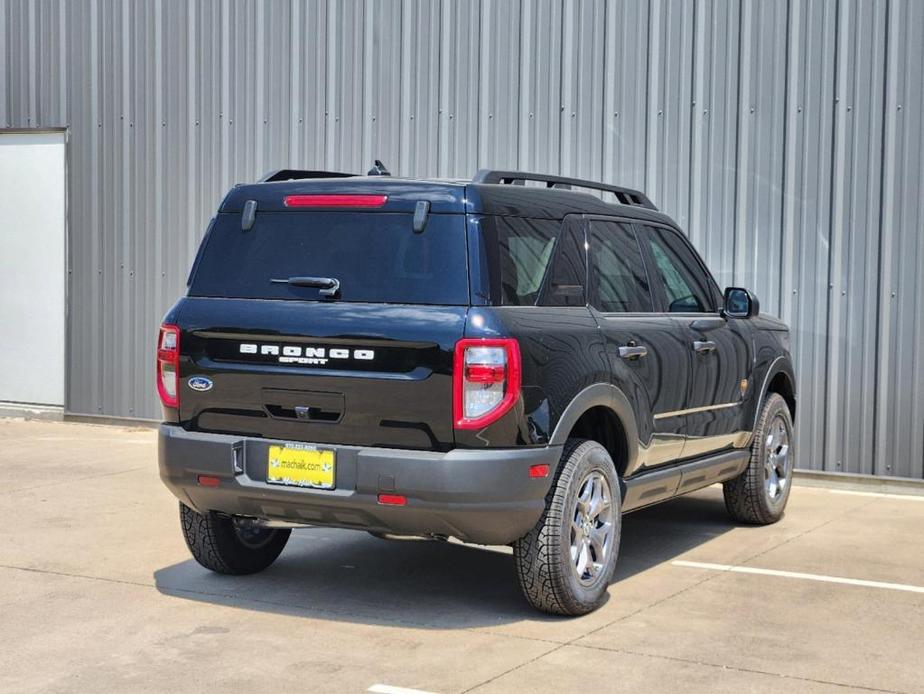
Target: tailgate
(340, 373)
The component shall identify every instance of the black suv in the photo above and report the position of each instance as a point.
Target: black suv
(503, 360)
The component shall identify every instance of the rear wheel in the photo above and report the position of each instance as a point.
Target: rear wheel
(759, 494)
(565, 563)
(228, 546)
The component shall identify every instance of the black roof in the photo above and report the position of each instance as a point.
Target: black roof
(449, 195)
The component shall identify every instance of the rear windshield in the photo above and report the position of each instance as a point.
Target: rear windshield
(375, 256)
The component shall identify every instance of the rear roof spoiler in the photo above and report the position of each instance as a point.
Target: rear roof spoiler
(296, 174)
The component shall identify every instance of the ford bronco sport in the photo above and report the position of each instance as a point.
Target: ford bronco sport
(504, 360)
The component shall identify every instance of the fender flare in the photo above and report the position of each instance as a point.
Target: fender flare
(781, 365)
(597, 395)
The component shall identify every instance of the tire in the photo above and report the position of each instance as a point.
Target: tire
(546, 560)
(221, 545)
(758, 495)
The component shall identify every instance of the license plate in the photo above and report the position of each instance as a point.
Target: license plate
(299, 466)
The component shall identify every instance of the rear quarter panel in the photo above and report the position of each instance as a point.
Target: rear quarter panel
(562, 353)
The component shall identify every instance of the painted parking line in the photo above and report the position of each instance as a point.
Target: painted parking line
(881, 495)
(795, 574)
(388, 689)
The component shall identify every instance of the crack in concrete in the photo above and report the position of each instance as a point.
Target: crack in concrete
(235, 600)
(74, 480)
(735, 668)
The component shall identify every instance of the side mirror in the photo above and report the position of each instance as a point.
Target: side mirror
(740, 303)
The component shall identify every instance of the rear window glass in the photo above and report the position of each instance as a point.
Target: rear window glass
(375, 256)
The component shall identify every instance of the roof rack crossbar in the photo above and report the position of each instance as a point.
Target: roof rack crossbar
(295, 174)
(627, 196)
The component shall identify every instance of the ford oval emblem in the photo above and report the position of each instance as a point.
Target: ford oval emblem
(200, 383)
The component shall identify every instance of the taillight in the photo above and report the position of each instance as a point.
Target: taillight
(486, 381)
(334, 200)
(168, 365)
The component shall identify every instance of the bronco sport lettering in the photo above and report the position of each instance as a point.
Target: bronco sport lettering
(295, 354)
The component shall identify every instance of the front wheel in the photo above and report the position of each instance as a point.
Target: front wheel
(565, 563)
(759, 494)
(226, 546)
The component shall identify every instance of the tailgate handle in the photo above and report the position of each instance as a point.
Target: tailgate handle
(304, 406)
(316, 414)
(305, 413)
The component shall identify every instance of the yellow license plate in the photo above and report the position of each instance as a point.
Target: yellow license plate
(301, 467)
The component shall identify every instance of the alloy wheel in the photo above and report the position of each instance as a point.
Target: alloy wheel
(592, 527)
(778, 460)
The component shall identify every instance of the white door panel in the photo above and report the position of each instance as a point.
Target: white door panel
(32, 268)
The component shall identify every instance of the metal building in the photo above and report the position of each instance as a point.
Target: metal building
(785, 136)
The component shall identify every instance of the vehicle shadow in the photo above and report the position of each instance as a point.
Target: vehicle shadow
(351, 576)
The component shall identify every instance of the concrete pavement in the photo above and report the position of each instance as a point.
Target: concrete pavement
(98, 593)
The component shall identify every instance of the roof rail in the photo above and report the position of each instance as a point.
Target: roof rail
(294, 174)
(626, 196)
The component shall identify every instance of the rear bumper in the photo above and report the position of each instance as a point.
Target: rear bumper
(484, 496)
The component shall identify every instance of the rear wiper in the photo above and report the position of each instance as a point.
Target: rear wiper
(329, 286)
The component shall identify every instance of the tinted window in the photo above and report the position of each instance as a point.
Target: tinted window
(569, 267)
(525, 249)
(376, 257)
(685, 286)
(619, 273)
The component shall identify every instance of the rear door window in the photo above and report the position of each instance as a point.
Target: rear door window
(376, 257)
(620, 281)
(568, 274)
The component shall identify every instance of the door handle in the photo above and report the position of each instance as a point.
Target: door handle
(703, 346)
(633, 351)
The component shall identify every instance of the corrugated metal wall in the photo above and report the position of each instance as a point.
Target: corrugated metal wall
(785, 136)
